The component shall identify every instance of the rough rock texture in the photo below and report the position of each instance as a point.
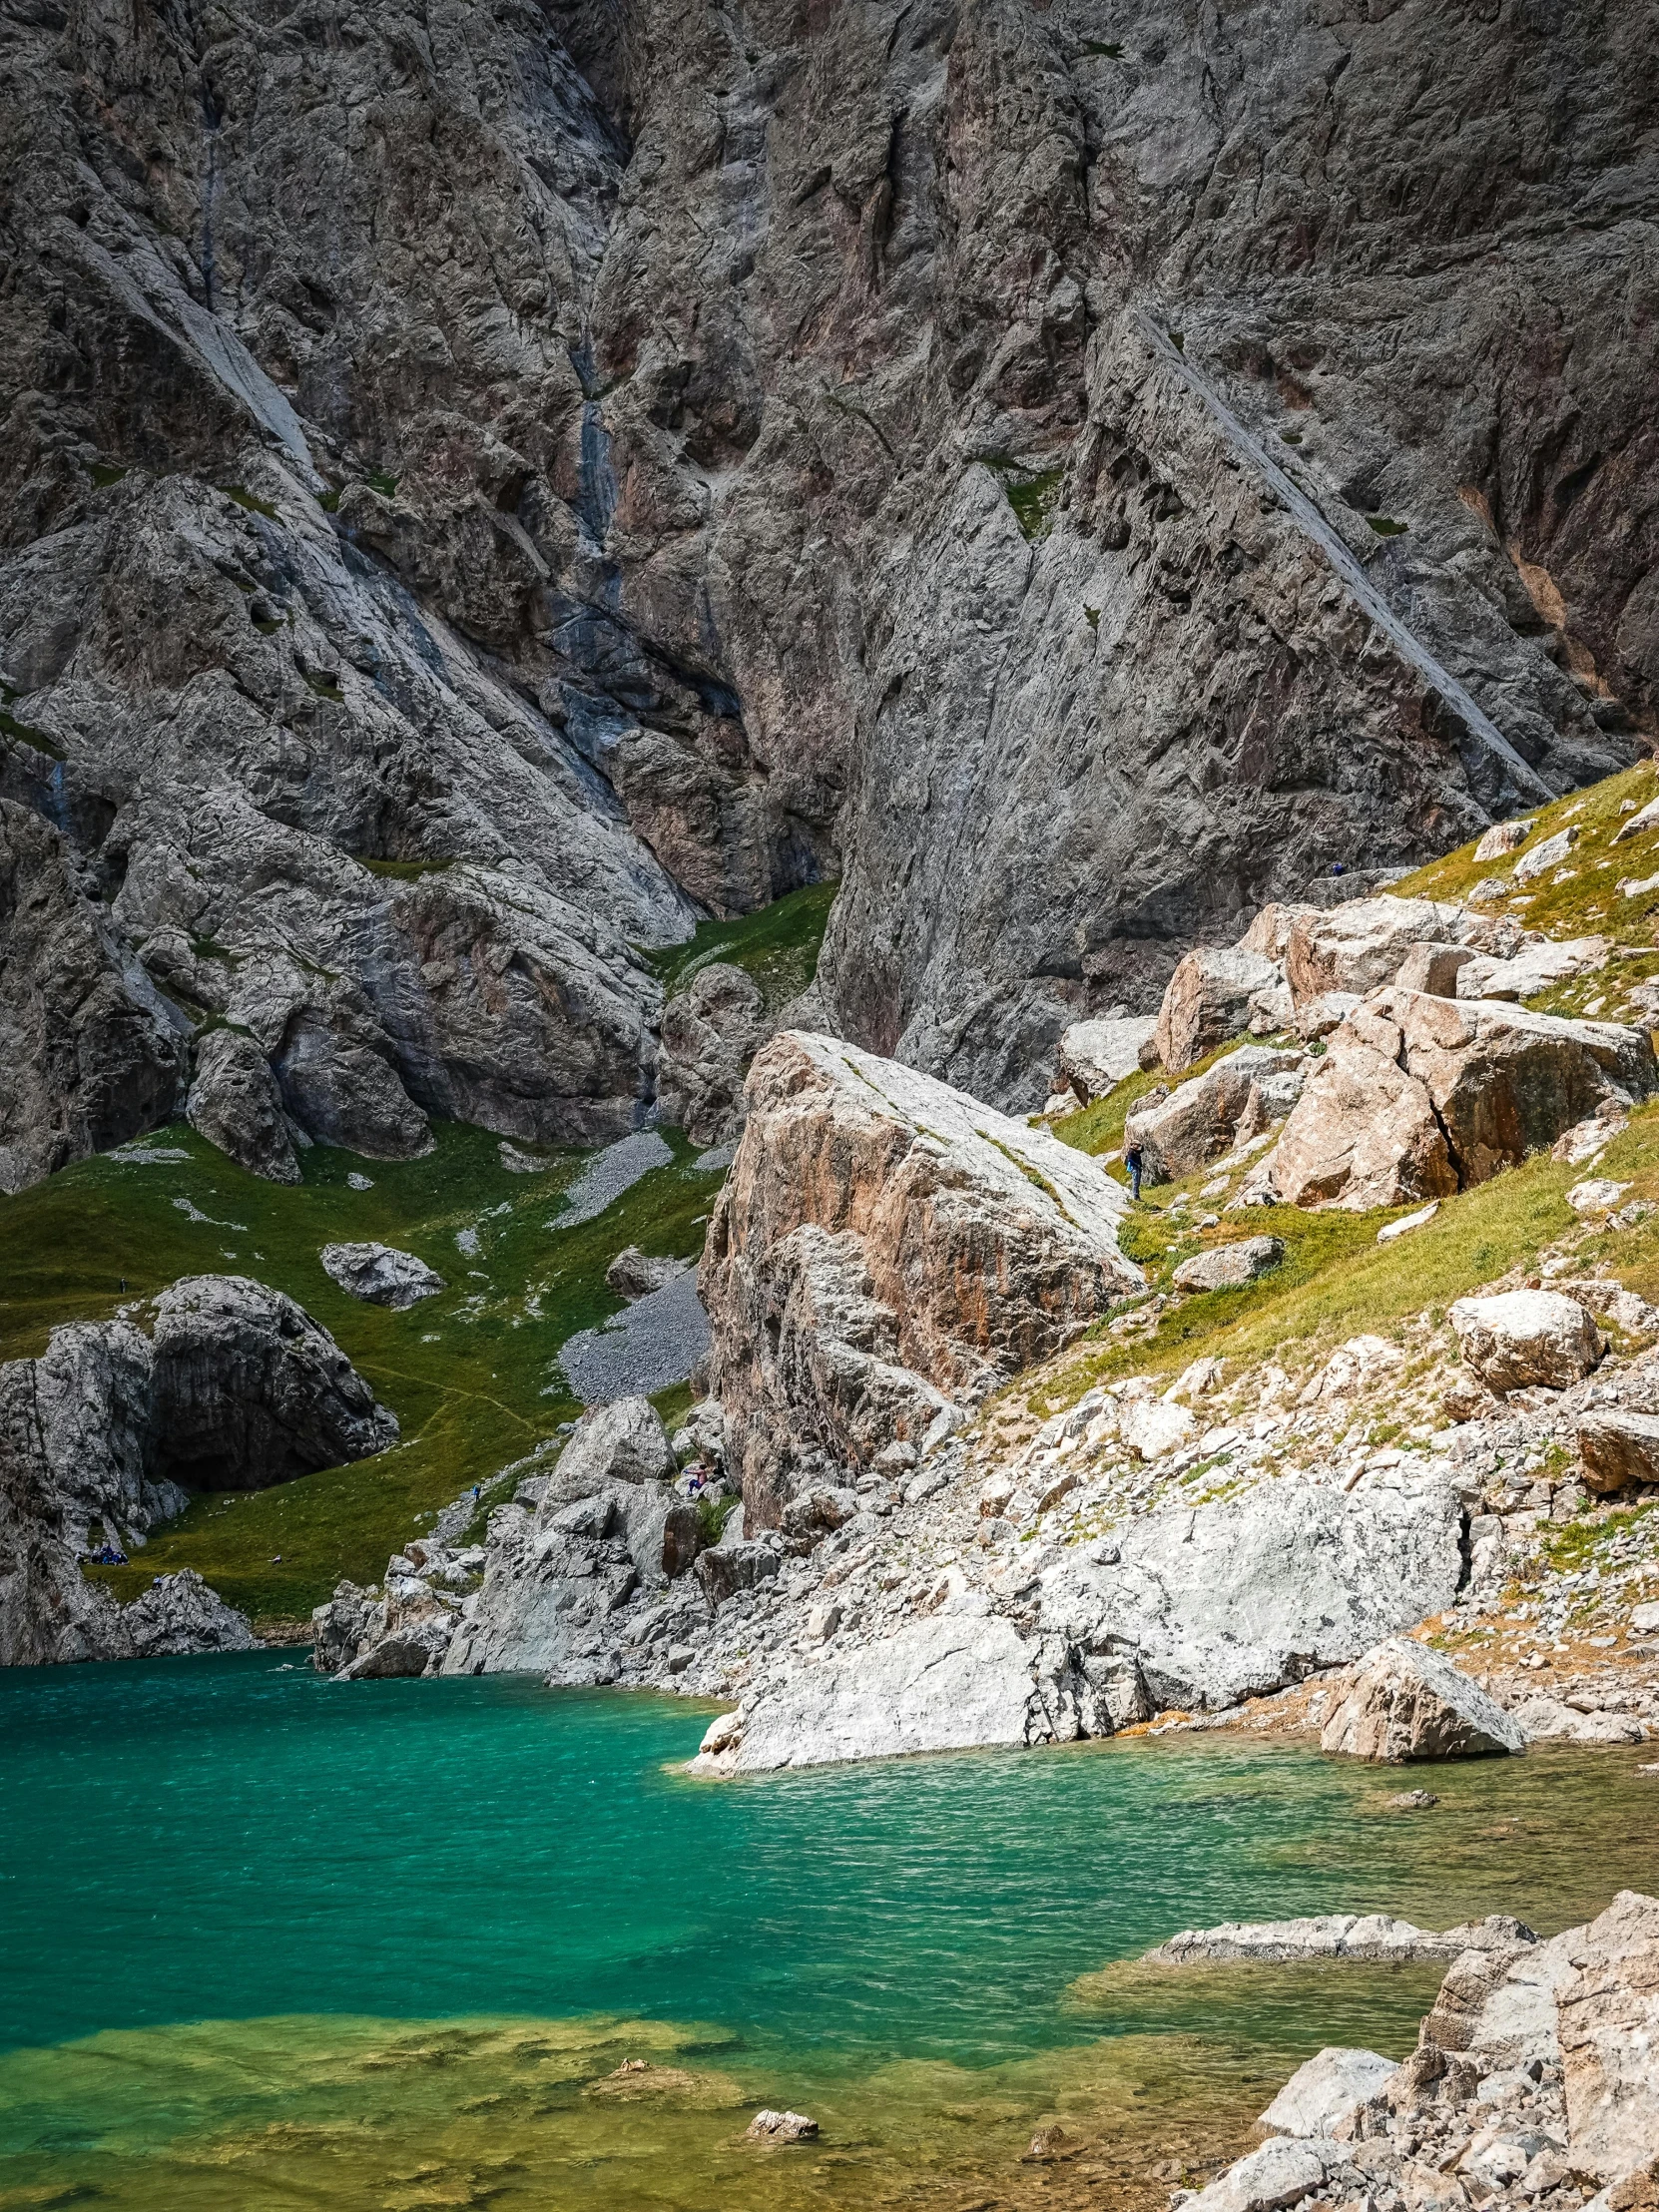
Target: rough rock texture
(1531, 2085)
(717, 428)
(1420, 1096)
(382, 1274)
(90, 1052)
(219, 1384)
(1359, 1936)
(1192, 1609)
(1095, 1057)
(1355, 948)
(236, 1104)
(179, 1615)
(1608, 2020)
(1521, 1337)
(1208, 1000)
(710, 1033)
(1403, 1701)
(1229, 1266)
(1327, 2091)
(884, 1246)
(635, 1273)
(1618, 1447)
(1239, 1098)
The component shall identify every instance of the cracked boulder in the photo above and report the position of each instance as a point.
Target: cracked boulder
(1403, 1701)
(884, 1246)
(235, 1103)
(1420, 1096)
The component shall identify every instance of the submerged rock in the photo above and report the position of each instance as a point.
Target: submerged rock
(1364, 1937)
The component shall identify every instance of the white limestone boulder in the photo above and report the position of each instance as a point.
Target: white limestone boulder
(380, 1274)
(1521, 1339)
(1327, 2091)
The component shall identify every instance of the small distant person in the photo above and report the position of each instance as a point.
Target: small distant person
(1338, 867)
(477, 1491)
(1132, 1160)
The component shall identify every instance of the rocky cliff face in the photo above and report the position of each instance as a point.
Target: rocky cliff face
(478, 482)
(219, 1384)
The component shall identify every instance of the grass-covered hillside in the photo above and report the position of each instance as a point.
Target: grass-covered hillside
(472, 1375)
(1335, 1281)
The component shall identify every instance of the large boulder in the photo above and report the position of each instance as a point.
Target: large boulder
(1229, 1266)
(1327, 2091)
(380, 1274)
(179, 1615)
(1420, 1096)
(884, 1246)
(624, 1441)
(1356, 946)
(1618, 1447)
(90, 1051)
(1608, 2022)
(1237, 1099)
(1207, 1000)
(218, 1384)
(710, 1031)
(1096, 1056)
(1519, 1338)
(1404, 1701)
(235, 1103)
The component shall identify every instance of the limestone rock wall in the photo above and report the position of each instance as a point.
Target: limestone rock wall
(1084, 473)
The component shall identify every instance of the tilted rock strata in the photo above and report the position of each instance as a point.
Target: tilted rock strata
(884, 1246)
(217, 1384)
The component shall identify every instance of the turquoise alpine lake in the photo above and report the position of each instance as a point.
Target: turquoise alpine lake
(273, 1941)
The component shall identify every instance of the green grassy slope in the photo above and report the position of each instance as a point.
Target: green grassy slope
(778, 946)
(470, 1375)
(1335, 1281)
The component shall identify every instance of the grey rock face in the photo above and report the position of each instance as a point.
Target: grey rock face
(220, 1383)
(710, 1033)
(382, 1274)
(90, 1053)
(235, 1103)
(961, 445)
(179, 1615)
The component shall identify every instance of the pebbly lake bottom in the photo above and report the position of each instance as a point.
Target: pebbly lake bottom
(272, 1942)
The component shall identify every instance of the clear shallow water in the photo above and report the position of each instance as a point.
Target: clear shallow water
(426, 1921)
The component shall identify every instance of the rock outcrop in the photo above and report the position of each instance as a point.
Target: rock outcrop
(236, 1104)
(380, 1274)
(1421, 1096)
(90, 1052)
(1522, 1337)
(643, 523)
(1095, 1057)
(1403, 1701)
(1209, 999)
(885, 1249)
(546, 1592)
(1370, 1938)
(219, 1384)
(710, 1033)
(1531, 2084)
(1245, 1094)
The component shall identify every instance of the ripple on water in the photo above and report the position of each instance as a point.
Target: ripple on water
(271, 1941)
